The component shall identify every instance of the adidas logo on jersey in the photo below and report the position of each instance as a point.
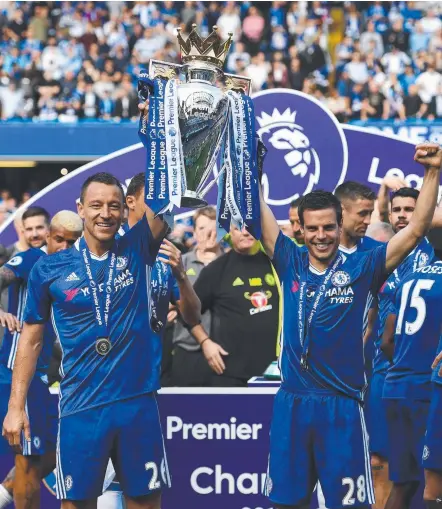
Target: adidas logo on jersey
(73, 277)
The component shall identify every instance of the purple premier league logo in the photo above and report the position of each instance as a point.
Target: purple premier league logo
(306, 145)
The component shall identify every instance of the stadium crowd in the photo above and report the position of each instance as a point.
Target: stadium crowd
(67, 61)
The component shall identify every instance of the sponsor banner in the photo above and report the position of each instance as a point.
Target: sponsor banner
(217, 443)
(307, 149)
(416, 131)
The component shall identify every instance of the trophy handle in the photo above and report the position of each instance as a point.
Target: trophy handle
(168, 70)
(238, 83)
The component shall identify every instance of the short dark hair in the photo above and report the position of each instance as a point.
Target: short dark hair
(353, 191)
(101, 178)
(295, 203)
(34, 212)
(405, 192)
(136, 185)
(319, 200)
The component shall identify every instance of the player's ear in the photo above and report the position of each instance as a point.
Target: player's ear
(80, 209)
(130, 202)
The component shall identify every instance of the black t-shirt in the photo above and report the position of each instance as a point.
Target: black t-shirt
(376, 101)
(412, 104)
(241, 293)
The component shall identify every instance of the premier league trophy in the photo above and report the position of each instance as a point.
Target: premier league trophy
(198, 117)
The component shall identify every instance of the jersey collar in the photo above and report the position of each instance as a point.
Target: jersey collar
(315, 271)
(348, 250)
(93, 256)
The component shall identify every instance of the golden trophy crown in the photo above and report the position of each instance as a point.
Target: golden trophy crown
(212, 49)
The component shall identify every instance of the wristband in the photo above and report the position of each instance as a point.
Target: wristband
(205, 339)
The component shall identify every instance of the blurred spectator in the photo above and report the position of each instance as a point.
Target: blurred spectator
(429, 83)
(229, 21)
(337, 105)
(90, 103)
(419, 39)
(414, 106)
(126, 103)
(393, 92)
(252, 30)
(357, 69)
(53, 59)
(374, 105)
(435, 107)
(10, 101)
(296, 75)
(396, 37)
(369, 38)
(51, 51)
(395, 61)
(431, 23)
(39, 23)
(258, 71)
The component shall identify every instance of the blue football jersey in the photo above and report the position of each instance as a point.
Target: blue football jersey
(364, 244)
(59, 285)
(335, 359)
(21, 265)
(174, 288)
(385, 302)
(421, 255)
(419, 320)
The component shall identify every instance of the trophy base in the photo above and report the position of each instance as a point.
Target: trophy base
(191, 200)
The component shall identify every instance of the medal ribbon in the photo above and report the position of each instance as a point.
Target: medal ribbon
(101, 303)
(304, 328)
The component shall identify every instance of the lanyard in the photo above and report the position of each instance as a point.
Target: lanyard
(304, 328)
(101, 302)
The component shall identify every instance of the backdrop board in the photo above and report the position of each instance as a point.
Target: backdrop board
(217, 446)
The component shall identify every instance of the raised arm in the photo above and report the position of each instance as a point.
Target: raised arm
(269, 226)
(157, 225)
(189, 303)
(389, 183)
(430, 156)
(29, 347)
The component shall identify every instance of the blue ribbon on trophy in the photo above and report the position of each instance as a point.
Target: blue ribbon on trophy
(160, 287)
(192, 123)
(156, 180)
(252, 159)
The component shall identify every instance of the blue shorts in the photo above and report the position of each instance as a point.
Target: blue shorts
(377, 416)
(318, 437)
(128, 432)
(42, 414)
(407, 421)
(432, 451)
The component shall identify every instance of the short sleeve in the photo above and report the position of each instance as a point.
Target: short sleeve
(140, 237)
(207, 281)
(21, 264)
(285, 251)
(38, 302)
(376, 267)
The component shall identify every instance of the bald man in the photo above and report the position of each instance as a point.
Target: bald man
(34, 459)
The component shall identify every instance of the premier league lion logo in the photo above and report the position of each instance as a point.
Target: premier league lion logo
(287, 136)
(306, 146)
